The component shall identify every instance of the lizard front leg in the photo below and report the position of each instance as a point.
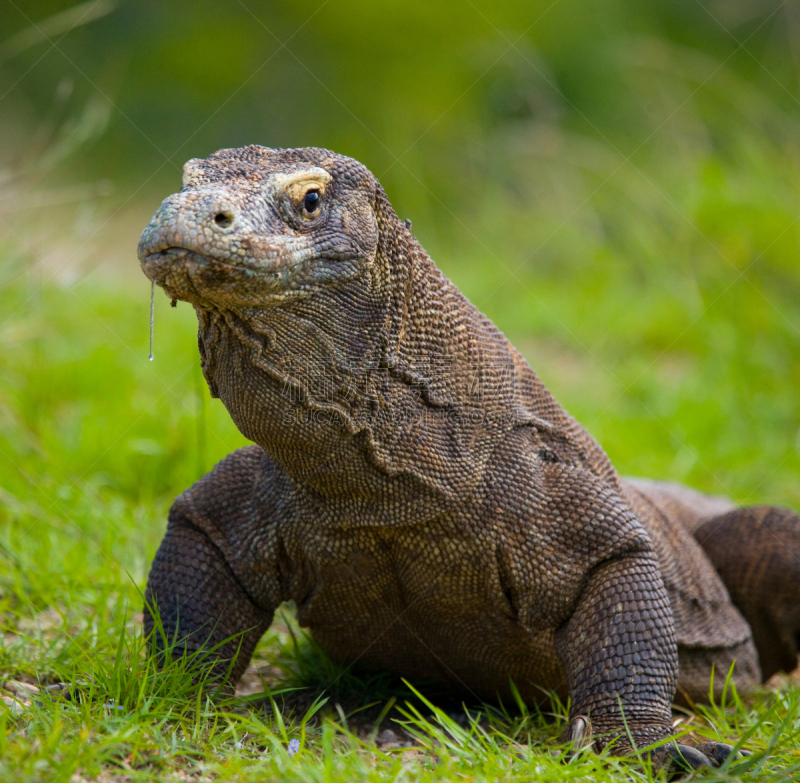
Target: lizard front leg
(194, 603)
(585, 566)
(619, 653)
(214, 583)
(621, 659)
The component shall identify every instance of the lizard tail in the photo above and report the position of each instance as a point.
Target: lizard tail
(757, 553)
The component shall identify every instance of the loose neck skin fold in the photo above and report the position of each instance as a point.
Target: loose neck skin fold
(391, 374)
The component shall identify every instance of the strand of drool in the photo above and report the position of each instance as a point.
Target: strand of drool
(152, 314)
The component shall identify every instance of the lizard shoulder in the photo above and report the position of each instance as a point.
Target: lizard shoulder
(242, 505)
(556, 522)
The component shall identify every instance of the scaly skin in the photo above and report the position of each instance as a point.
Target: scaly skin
(415, 489)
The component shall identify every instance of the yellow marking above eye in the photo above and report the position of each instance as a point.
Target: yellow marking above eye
(298, 183)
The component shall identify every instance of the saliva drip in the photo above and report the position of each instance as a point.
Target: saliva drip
(152, 314)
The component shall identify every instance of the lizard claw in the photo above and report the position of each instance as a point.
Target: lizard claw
(578, 734)
(580, 730)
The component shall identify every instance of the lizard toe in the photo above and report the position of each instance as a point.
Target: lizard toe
(681, 759)
(720, 752)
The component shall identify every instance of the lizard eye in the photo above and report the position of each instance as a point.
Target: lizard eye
(311, 201)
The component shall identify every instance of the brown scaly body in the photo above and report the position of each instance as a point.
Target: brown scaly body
(415, 489)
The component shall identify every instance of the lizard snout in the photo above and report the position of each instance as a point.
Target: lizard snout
(209, 223)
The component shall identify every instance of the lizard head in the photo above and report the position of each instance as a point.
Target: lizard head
(254, 226)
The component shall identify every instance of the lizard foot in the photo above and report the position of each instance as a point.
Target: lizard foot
(680, 759)
(683, 759)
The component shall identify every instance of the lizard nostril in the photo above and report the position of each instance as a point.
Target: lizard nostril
(223, 219)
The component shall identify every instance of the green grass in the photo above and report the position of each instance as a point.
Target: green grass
(669, 326)
(95, 441)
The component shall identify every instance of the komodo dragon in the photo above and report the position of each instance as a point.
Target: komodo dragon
(417, 491)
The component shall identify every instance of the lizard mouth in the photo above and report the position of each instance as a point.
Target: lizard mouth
(262, 264)
(165, 266)
(164, 260)
(204, 280)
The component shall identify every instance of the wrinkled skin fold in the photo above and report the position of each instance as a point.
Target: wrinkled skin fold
(417, 491)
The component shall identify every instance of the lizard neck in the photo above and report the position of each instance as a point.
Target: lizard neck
(391, 389)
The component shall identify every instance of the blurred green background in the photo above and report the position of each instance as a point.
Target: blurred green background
(616, 183)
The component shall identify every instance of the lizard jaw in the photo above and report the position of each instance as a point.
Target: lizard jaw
(204, 280)
(232, 283)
